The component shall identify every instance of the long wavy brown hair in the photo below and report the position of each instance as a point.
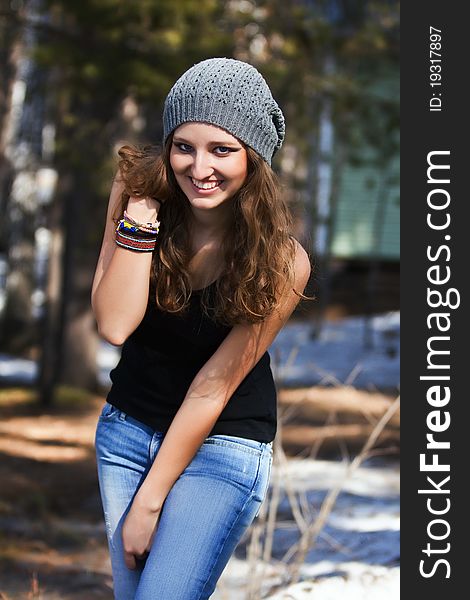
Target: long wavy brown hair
(258, 251)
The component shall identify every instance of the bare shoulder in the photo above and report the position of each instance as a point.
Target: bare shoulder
(302, 264)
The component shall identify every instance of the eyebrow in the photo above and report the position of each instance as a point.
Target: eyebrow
(178, 139)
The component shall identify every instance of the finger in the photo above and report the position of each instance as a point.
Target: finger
(140, 561)
(129, 559)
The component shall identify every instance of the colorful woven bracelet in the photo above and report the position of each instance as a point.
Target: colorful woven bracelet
(139, 227)
(124, 225)
(134, 243)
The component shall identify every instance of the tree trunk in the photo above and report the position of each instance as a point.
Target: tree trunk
(80, 348)
(77, 334)
(50, 334)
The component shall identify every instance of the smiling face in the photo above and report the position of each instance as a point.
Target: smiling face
(210, 164)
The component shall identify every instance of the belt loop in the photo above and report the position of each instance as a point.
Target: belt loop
(122, 415)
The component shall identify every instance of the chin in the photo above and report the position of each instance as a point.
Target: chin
(199, 202)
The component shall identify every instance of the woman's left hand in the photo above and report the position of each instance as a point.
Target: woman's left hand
(138, 532)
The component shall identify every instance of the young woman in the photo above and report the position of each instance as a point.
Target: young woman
(196, 276)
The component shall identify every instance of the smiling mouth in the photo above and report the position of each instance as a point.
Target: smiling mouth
(207, 186)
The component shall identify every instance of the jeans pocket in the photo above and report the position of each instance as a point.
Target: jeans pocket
(108, 411)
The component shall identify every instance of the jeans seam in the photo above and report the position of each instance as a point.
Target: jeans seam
(250, 497)
(258, 472)
(266, 489)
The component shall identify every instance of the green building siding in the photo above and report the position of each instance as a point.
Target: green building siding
(359, 191)
(356, 210)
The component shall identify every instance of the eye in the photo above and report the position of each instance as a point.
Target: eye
(228, 150)
(180, 146)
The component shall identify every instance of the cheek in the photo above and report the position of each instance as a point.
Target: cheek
(237, 171)
(173, 163)
(177, 163)
(243, 168)
(242, 174)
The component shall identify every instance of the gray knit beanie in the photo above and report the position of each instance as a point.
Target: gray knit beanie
(231, 94)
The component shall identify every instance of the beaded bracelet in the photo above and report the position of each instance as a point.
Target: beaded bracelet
(133, 235)
(145, 226)
(128, 216)
(138, 230)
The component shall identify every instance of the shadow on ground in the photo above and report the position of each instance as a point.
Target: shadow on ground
(53, 542)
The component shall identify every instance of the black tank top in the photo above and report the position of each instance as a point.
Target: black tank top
(160, 359)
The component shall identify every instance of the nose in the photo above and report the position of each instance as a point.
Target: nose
(202, 166)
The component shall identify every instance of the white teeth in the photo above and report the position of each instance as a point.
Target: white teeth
(205, 186)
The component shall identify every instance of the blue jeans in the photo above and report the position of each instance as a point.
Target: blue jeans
(204, 516)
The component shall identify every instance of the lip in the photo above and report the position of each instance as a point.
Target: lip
(205, 192)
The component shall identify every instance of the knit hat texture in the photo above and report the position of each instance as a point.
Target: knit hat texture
(231, 94)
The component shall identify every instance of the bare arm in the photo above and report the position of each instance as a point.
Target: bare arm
(121, 282)
(210, 391)
(207, 396)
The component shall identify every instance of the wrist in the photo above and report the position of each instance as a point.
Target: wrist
(148, 500)
(144, 210)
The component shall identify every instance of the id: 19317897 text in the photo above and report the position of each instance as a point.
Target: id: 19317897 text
(435, 68)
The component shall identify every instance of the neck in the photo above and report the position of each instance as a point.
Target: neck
(205, 226)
